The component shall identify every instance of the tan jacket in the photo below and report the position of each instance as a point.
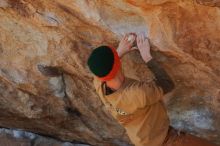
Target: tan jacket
(138, 107)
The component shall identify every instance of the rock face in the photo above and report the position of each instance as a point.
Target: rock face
(10, 137)
(45, 85)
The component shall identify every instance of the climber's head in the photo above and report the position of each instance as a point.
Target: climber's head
(105, 64)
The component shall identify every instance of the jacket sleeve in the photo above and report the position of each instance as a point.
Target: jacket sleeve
(139, 95)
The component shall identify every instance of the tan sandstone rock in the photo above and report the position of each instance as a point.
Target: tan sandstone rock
(45, 85)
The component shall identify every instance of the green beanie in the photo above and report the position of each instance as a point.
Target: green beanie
(101, 61)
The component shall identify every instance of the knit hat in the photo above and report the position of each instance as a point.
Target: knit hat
(104, 62)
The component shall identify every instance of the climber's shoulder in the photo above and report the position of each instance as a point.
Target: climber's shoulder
(132, 84)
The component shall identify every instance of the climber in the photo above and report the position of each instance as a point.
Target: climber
(137, 105)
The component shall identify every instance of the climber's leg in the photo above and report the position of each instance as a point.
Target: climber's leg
(176, 138)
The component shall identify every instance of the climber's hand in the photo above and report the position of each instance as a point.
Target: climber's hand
(144, 48)
(125, 44)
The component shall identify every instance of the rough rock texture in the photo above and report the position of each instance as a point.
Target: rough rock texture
(45, 86)
(9, 137)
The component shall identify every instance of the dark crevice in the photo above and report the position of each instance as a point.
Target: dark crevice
(53, 71)
(50, 71)
(74, 111)
(71, 111)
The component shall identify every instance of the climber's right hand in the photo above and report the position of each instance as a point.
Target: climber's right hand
(125, 44)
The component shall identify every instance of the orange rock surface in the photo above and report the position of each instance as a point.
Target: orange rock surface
(45, 85)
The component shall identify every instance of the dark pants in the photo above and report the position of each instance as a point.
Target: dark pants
(176, 138)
